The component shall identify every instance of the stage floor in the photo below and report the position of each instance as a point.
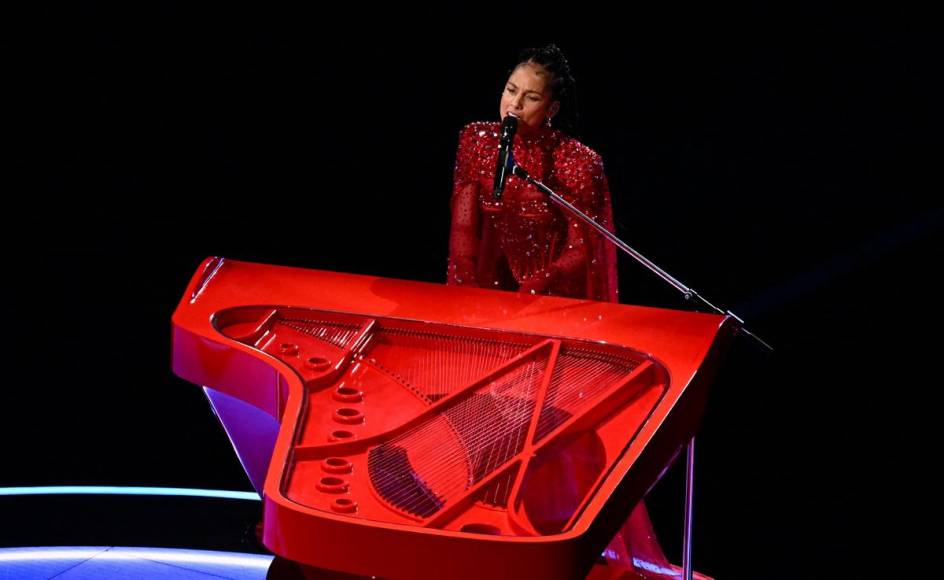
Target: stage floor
(73, 532)
(87, 562)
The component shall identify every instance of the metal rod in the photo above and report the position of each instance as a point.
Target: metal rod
(689, 504)
(687, 292)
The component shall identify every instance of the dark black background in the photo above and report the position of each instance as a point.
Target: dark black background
(772, 160)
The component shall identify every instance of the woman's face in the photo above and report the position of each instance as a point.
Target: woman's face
(527, 96)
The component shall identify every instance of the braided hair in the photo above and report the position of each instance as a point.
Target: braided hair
(561, 82)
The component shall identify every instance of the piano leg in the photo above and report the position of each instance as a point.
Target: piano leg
(689, 492)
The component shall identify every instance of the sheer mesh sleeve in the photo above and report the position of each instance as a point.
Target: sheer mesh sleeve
(587, 259)
(463, 236)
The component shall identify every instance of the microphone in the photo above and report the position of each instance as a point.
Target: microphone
(505, 159)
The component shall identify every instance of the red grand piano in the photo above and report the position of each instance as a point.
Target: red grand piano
(411, 430)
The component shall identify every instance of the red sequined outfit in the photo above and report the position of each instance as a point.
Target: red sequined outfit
(527, 243)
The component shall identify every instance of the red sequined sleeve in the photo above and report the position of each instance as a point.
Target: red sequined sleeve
(463, 236)
(587, 258)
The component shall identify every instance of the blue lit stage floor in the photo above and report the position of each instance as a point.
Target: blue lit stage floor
(75, 563)
(93, 532)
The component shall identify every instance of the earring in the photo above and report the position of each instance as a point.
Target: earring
(547, 121)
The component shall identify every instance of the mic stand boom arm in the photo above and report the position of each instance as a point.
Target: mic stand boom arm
(694, 298)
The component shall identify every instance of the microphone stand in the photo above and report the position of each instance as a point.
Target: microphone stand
(690, 295)
(693, 298)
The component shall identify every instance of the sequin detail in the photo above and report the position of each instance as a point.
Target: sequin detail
(524, 242)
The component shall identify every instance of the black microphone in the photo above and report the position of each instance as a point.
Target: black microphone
(505, 159)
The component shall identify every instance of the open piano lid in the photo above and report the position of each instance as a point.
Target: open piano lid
(430, 431)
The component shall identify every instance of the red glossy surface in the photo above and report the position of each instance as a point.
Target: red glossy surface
(428, 428)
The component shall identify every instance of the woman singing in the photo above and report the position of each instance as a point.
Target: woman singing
(526, 243)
